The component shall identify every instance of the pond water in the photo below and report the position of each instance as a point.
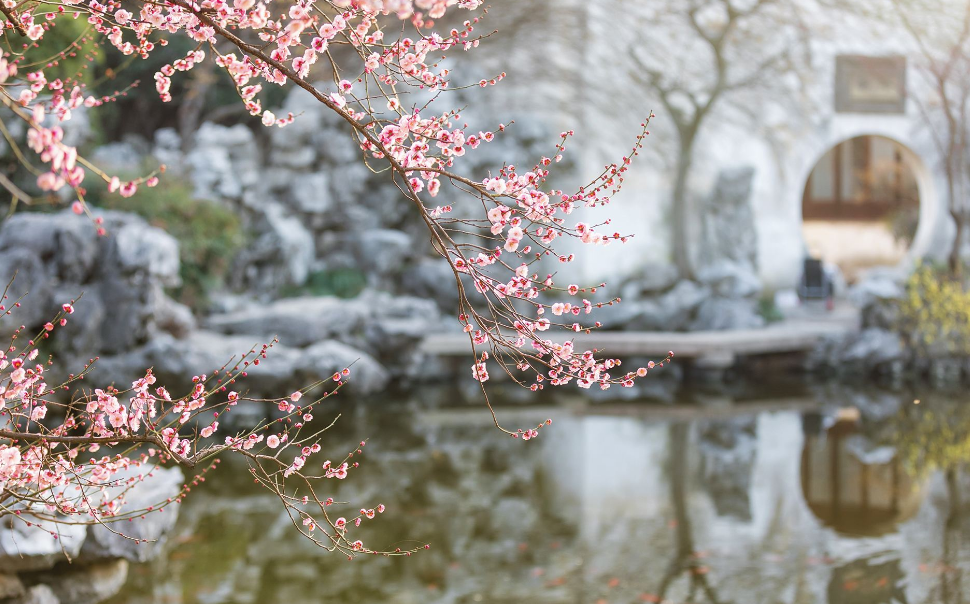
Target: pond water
(835, 496)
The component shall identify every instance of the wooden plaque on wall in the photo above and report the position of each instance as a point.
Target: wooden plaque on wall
(870, 84)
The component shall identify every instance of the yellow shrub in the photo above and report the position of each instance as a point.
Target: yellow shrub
(935, 314)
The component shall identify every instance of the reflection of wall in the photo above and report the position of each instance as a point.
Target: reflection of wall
(608, 467)
(619, 478)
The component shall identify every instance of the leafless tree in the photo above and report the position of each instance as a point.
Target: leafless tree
(941, 33)
(708, 60)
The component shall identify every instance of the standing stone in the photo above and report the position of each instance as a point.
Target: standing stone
(728, 228)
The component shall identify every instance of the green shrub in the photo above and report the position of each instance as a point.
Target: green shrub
(340, 282)
(934, 314)
(209, 234)
(768, 310)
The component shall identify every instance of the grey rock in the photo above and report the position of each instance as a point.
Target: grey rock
(167, 149)
(348, 184)
(872, 347)
(76, 248)
(730, 279)
(323, 359)
(651, 279)
(120, 540)
(174, 362)
(64, 239)
(30, 231)
(214, 135)
(336, 147)
(283, 370)
(381, 251)
(88, 584)
(279, 180)
(224, 161)
(877, 288)
(212, 174)
(309, 114)
(81, 337)
(171, 316)
(727, 313)
(432, 278)
(678, 304)
(168, 139)
(59, 256)
(281, 254)
(26, 274)
(297, 322)
(118, 157)
(28, 548)
(226, 302)
(857, 354)
(397, 325)
(357, 214)
(392, 209)
(294, 157)
(672, 311)
(310, 193)
(882, 313)
(141, 247)
(131, 314)
(629, 312)
(294, 241)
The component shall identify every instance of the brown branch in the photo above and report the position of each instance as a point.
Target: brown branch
(90, 440)
(16, 24)
(14, 190)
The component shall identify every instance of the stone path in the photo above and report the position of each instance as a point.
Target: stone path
(711, 348)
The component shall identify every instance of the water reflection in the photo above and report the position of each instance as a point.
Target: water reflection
(745, 504)
(849, 485)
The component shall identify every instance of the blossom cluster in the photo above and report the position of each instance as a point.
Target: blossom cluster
(72, 456)
(423, 147)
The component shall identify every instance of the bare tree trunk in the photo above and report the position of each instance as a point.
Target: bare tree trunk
(680, 212)
(955, 260)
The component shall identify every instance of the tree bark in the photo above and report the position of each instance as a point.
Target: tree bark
(955, 261)
(680, 210)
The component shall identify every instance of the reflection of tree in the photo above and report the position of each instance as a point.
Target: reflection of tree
(951, 576)
(932, 436)
(685, 558)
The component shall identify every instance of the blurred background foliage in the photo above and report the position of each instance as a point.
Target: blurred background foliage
(340, 282)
